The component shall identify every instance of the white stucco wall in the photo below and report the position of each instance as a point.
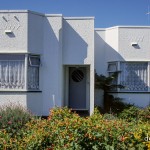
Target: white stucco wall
(111, 48)
(140, 35)
(31, 101)
(99, 61)
(18, 42)
(42, 34)
(52, 63)
(16, 21)
(99, 51)
(35, 32)
(138, 99)
(78, 41)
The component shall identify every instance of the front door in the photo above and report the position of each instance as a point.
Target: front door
(77, 87)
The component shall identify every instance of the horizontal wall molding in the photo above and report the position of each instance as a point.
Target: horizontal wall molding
(20, 91)
(130, 92)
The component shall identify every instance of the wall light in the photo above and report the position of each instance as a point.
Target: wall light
(8, 31)
(134, 43)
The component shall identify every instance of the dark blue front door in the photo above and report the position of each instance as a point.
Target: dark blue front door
(77, 88)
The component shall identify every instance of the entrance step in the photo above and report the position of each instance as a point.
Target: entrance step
(81, 112)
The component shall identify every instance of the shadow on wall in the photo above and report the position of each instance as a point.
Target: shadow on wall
(74, 46)
(104, 53)
(11, 35)
(50, 71)
(52, 64)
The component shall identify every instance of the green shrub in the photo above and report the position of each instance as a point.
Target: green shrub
(130, 114)
(66, 130)
(117, 105)
(135, 114)
(109, 116)
(13, 118)
(144, 114)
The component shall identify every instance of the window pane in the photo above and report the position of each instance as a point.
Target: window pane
(34, 61)
(33, 72)
(112, 67)
(134, 76)
(12, 71)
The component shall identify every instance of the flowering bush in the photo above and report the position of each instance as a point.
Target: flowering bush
(135, 114)
(66, 130)
(144, 114)
(13, 118)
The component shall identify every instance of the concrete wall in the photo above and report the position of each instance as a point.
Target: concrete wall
(35, 32)
(42, 34)
(99, 61)
(78, 41)
(141, 36)
(31, 101)
(26, 37)
(16, 21)
(99, 52)
(138, 99)
(52, 63)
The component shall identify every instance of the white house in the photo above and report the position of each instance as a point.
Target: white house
(48, 60)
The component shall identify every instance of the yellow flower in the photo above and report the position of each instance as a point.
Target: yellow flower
(137, 136)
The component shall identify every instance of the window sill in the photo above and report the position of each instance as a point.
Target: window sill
(130, 92)
(20, 91)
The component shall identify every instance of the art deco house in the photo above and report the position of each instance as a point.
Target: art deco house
(48, 60)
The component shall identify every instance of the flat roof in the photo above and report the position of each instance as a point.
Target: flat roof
(78, 18)
(115, 27)
(29, 11)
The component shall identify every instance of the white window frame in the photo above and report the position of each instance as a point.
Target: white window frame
(26, 64)
(29, 63)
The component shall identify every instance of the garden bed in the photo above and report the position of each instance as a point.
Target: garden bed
(66, 130)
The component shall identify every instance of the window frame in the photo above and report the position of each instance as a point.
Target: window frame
(15, 54)
(26, 64)
(119, 76)
(29, 63)
(110, 72)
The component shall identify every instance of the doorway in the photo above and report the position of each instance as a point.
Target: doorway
(77, 87)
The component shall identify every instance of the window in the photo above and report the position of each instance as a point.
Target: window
(33, 72)
(112, 68)
(77, 75)
(134, 76)
(12, 71)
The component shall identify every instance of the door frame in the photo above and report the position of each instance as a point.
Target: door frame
(66, 84)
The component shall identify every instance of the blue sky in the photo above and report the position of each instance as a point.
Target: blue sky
(107, 13)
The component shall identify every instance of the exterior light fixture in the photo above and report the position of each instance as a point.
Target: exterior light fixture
(134, 43)
(8, 31)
